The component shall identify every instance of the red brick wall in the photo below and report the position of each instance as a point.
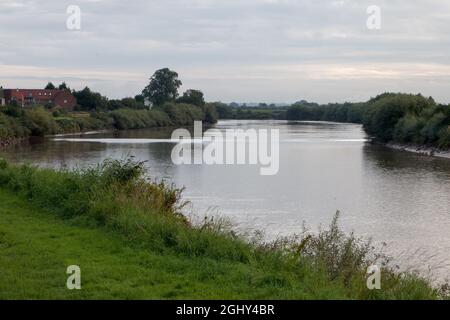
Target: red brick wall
(59, 98)
(65, 100)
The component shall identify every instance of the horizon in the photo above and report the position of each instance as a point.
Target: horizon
(250, 104)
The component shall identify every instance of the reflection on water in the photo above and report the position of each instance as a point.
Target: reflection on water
(397, 197)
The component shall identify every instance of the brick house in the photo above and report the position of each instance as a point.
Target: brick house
(43, 97)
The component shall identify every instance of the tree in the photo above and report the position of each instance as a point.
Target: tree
(163, 87)
(89, 100)
(192, 96)
(223, 111)
(63, 86)
(50, 86)
(211, 114)
(139, 98)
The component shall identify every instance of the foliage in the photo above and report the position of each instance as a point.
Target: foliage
(125, 103)
(13, 110)
(63, 86)
(11, 128)
(223, 110)
(389, 117)
(192, 96)
(40, 122)
(262, 112)
(50, 86)
(183, 114)
(88, 100)
(210, 114)
(138, 119)
(163, 87)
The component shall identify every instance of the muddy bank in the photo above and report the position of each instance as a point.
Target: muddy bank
(8, 142)
(424, 150)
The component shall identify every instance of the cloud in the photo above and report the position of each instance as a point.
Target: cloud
(285, 48)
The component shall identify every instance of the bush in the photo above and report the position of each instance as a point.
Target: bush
(138, 119)
(183, 114)
(11, 128)
(40, 122)
(13, 110)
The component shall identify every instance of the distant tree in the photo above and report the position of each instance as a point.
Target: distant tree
(211, 114)
(139, 98)
(192, 96)
(63, 86)
(132, 103)
(89, 100)
(115, 104)
(50, 86)
(223, 110)
(163, 87)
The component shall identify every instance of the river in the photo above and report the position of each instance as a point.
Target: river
(391, 196)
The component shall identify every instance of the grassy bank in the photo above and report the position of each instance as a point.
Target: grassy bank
(131, 241)
(17, 123)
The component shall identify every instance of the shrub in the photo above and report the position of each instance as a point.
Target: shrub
(183, 114)
(138, 119)
(40, 122)
(13, 110)
(11, 127)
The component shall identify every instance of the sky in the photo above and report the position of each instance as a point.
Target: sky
(233, 50)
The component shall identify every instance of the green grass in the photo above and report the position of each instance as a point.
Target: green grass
(36, 248)
(130, 241)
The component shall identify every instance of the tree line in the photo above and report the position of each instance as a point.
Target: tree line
(158, 105)
(389, 117)
(162, 88)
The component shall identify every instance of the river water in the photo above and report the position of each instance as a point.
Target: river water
(391, 196)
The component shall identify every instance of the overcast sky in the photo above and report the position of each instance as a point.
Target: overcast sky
(233, 50)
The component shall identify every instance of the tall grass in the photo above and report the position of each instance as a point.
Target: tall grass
(118, 196)
(11, 127)
(16, 122)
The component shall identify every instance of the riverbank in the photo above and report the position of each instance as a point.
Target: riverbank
(17, 123)
(9, 142)
(423, 150)
(393, 118)
(131, 241)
